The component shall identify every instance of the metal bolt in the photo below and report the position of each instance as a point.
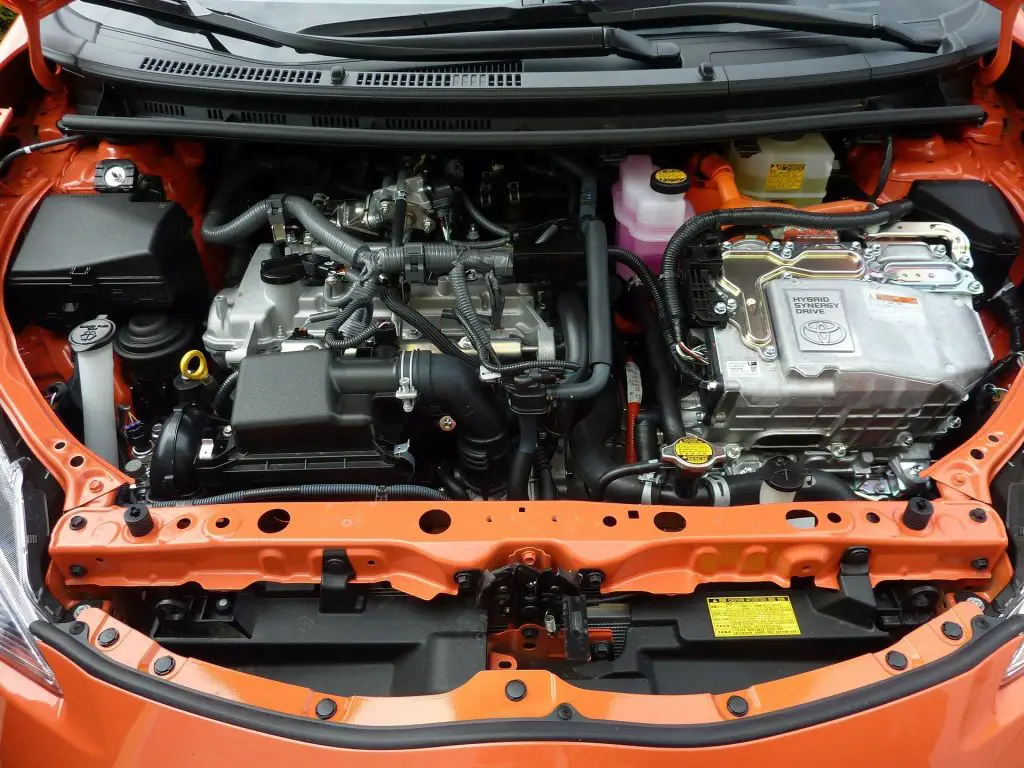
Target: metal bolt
(115, 176)
(81, 608)
(77, 571)
(410, 333)
(325, 709)
(787, 275)
(428, 226)
(720, 308)
(904, 440)
(974, 286)
(733, 451)
(156, 430)
(446, 423)
(593, 579)
(954, 423)
(77, 627)
(385, 206)
(731, 305)
(838, 450)
(564, 712)
(601, 651)
(77, 523)
(769, 353)
(95, 486)
(874, 249)
(976, 601)
(226, 430)
(222, 605)
(464, 579)
(939, 250)
(978, 515)
(775, 246)
(981, 564)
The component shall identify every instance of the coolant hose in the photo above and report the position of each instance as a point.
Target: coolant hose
(645, 432)
(318, 491)
(574, 331)
(522, 462)
(346, 247)
(704, 223)
(746, 489)
(662, 369)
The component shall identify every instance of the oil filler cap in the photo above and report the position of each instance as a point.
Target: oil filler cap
(670, 181)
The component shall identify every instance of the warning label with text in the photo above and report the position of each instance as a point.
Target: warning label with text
(770, 616)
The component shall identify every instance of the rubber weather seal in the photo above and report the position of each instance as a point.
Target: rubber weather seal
(364, 737)
(304, 134)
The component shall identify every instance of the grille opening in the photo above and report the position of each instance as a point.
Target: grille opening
(234, 73)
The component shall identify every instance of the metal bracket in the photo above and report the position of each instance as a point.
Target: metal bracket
(275, 215)
(336, 594)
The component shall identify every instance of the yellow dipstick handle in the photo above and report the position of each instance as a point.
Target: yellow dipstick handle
(193, 366)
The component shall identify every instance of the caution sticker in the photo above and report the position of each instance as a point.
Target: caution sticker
(785, 177)
(694, 450)
(670, 176)
(770, 616)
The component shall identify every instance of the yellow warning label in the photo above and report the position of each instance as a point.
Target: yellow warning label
(670, 176)
(693, 450)
(771, 616)
(785, 177)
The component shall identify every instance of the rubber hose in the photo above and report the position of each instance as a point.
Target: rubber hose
(645, 432)
(451, 486)
(1009, 309)
(240, 227)
(600, 419)
(478, 216)
(599, 311)
(398, 222)
(546, 488)
(712, 220)
(661, 368)
(574, 331)
(746, 489)
(319, 491)
(222, 398)
(616, 473)
(522, 462)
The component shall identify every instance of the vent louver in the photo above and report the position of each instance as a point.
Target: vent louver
(437, 124)
(233, 73)
(499, 74)
(335, 121)
(163, 108)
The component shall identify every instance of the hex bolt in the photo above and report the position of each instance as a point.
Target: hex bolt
(720, 308)
(77, 523)
(325, 709)
(952, 630)
(939, 250)
(446, 423)
(981, 564)
(733, 451)
(601, 651)
(464, 579)
(769, 353)
(77, 627)
(896, 660)
(593, 579)
(974, 286)
(222, 605)
(978, 515)
(163, 665)
(737, 706)
(515, 690)
(838, 450)
(564, 712)
(77, 571)
(108, 637)
(731, 305)
(904, 440)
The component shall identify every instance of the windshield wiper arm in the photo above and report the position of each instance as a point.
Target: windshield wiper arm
(471, 45)
(571, 13)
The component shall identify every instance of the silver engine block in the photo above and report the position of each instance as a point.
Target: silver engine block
(845, 347)
(258, 317)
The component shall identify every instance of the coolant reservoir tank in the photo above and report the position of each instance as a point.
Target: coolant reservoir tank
(793, 169)
(650, 205)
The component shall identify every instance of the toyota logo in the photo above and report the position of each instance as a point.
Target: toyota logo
(824, 332)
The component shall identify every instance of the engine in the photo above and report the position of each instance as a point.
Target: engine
(433, 327)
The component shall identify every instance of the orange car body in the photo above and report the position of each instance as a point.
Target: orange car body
(947, 703)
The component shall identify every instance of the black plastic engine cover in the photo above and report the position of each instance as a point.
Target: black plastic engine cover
(84, 255)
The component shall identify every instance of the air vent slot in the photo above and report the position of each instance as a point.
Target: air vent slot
(261, 118)
(233, 73)
(163, 108)
(499, 74)
(437, 124)
(335, 121)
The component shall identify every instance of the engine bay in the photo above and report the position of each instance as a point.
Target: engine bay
(428, 334)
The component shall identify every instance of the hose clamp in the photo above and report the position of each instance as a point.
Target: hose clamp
(406, 392)
(275, 216)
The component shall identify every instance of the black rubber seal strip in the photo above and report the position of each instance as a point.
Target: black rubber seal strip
(302, 134)
(576, 729)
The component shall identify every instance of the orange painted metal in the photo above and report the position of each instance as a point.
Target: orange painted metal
(990, 72)
(483, 696)
(222, 547)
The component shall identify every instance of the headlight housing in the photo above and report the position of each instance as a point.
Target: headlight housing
(18, 607)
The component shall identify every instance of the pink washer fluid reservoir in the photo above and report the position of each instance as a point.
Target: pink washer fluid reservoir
(650, 205)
